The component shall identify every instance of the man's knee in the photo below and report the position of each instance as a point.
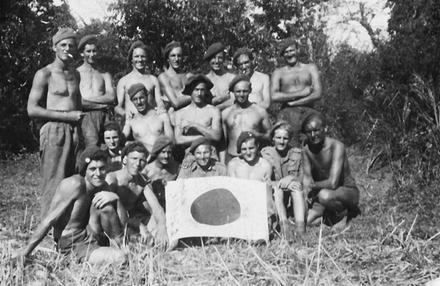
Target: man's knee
(326, 196)
(107, 210)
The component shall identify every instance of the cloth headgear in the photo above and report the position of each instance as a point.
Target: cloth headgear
(237, 79)
(135, 88)
(171, 45)
(200, 141)
(278, 124)
(194, 80)
(88, 155)
(86, 40)
(213, 50)
(62, 34)
(136, 44)
(160, 143)
(245, 135)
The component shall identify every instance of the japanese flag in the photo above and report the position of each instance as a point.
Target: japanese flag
(216, 207)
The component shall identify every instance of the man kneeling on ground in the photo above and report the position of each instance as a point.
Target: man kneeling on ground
(137, 197)
(83, 213)
(331, 189)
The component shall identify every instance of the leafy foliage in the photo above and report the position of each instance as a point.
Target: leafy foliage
(26, 28)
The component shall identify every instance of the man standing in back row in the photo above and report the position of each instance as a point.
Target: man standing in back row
(97, 92)
(297, 86)
(57, 83)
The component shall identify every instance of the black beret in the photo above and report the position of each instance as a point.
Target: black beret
(213, 50)
(135, 88)
(86, 40)
(194, 80)
(200, 141)
(237, 79)
(245, 135)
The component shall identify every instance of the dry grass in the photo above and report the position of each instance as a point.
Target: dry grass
(374, 250)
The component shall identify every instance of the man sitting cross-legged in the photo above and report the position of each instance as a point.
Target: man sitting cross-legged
(163, 168)
(136, 195)
(331, 189)
(82, 212)
(147, 124)
(250, 165)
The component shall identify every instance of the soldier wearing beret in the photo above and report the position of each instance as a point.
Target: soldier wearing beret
(97, 92)
(219, 76)
(137, 57)
(147, 124)
(243, 115)
(55, 100)
(83, 213)
(199, 119)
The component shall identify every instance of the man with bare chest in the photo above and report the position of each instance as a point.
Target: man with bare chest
(219, 76)
(97, 92)
(137, 56)
(147, 124)
(60, 137)
(199, 119)
(243, 116)
(134, 190)
(331, 189)
(244, 60)
(174, 78)
(296, 86)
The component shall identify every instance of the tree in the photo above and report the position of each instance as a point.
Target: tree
(26, 29)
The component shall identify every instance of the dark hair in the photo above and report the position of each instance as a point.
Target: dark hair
(134, 147)
(242, 51)
(99, 155)
(310, 117)
(114, 126)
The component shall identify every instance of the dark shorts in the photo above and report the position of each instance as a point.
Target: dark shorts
(92, 126)
(60, 144)
(295, 115)
(80, 244)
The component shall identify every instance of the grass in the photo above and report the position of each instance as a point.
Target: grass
(376, 249)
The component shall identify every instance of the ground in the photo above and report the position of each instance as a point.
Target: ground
(374, 250)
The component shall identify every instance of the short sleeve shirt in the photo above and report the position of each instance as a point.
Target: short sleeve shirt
(283, 166)
(195, 171)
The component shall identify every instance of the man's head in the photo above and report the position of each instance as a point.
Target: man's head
(112, 136)
(198, 86)
(201, 149)
(315, 128)
(88, 48)
(137, 55)
(92, 165)
(134, 157)
(173, 55)
(289, 50)
(139, 96)
(281, 134)
(64, 44)
(162, 149)
(215, 55)
(247, 146)
(244, 60)
(241, 87)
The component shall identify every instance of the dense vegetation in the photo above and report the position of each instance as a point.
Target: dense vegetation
(384, 102)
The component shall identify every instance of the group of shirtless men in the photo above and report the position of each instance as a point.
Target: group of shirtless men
(183, 125)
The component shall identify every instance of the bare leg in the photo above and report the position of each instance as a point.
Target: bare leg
(106, 220)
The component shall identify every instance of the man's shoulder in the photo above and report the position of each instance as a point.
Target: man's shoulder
(72, 184)
(335, 143)
(265, 163)
(259, 75)
(269, 151)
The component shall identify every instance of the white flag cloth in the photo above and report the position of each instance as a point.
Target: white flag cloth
(216, 207)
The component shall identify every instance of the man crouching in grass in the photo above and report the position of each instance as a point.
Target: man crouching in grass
(133, 187)
(83, 214)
